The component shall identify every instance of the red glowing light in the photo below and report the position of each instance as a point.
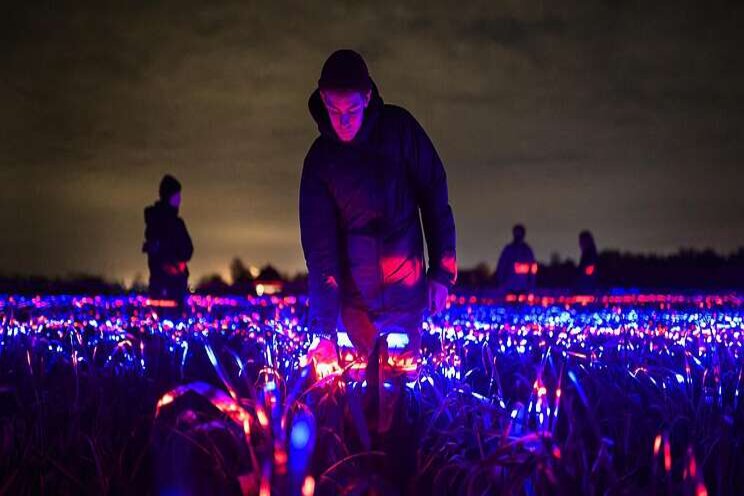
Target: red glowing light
(280, 457)
(262, 418)
(175, 269)
(265, 489)
(161, 303)
(667, 455)
(589, 270)
(522, 268)
(401, 270)
(584, 299)
(693, 467)
(657, 444)
(449, 263)
(403, 364)
(331, 281)
(167, 399)
(308, 487)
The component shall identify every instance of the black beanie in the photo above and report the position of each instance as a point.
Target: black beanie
(169, 186)
(345, 70)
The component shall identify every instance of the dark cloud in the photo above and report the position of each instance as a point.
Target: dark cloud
(563, 115)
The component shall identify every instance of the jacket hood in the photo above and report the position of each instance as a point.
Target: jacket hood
(320, 115)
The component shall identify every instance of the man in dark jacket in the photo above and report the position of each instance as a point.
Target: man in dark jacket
(517, 270)
(366, 181)
(167, 244)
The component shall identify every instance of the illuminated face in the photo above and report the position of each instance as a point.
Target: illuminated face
(346, 111)
(175, 200)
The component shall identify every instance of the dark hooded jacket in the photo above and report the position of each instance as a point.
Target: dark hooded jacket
(361, 208)
(168, 247)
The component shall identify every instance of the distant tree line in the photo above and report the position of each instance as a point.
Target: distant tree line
(244, 280)
(685, 270)
(71, 284)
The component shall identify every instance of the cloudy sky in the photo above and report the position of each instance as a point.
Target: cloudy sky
(621, 117)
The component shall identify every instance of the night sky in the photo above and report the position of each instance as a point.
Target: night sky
(621, 117)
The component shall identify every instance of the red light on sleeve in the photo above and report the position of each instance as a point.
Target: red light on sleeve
(521, 268)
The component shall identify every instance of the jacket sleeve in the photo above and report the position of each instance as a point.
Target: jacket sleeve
(185, 246)
(319, 235)
(175, 242)
(147, 243)
(530, 255)
(502, 268)
(430, 184)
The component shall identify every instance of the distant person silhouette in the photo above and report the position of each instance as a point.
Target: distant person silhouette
(517, 270)
(167, 244)
(587, 271)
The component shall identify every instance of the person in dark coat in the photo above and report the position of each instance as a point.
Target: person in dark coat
(517, 270)
(365, 181)
(167, 244)
(587, 271)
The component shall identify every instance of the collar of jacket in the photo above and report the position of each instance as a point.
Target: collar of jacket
(371, 114)
(165, 207)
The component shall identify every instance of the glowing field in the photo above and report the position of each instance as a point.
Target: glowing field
(631, 394)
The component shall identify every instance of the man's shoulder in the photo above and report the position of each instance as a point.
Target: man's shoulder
(151, 212)
(397, 114)
(527, 250)
(318, 158)
(401, 122)
(316, 150)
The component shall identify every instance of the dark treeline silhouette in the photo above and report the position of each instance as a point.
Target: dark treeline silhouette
(687, 270)
(72, 284)
(243, 282)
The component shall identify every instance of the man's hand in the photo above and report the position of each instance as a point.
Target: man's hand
(323, 354)
(437, 296)
(175, 269)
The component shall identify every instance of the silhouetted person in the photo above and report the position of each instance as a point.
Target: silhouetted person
(587, 271)
(167, 244)
(364, 181)
(517, 270)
